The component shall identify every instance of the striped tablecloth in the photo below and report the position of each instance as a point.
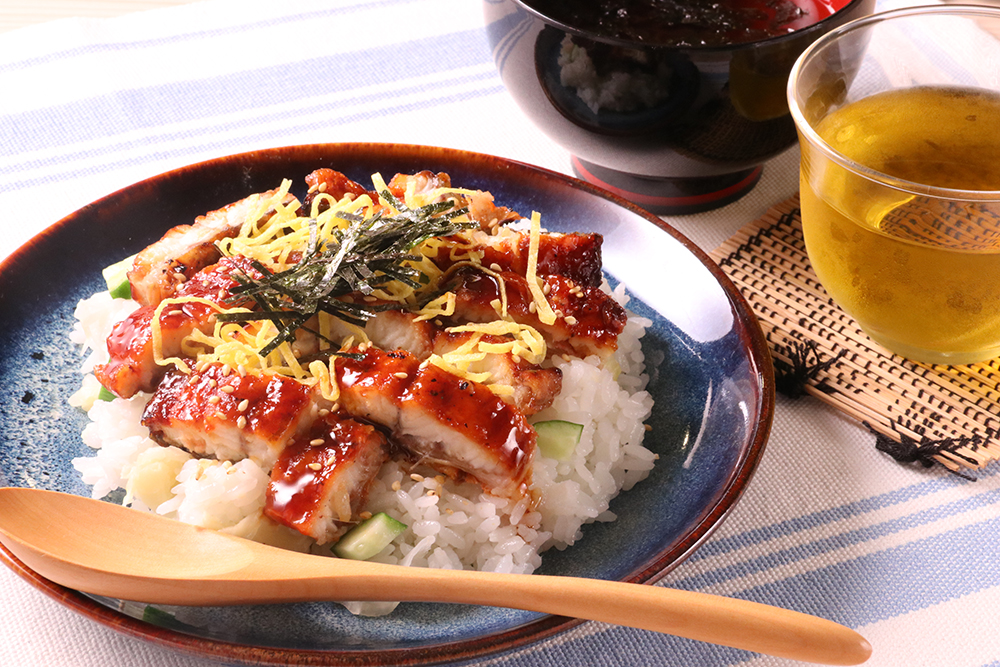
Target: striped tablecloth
(829, 526)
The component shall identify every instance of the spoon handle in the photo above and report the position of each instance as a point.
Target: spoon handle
(117, 552)
(719, 620)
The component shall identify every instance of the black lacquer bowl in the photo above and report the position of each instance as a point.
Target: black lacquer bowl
(710, 372)
(673, 129)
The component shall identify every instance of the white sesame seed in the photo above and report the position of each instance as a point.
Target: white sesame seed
(324, 412)
(570, 320)
(213, 383)
(315, 466)
(244, 404)
(416, 478)
(241, 422)
(495, 267)
(365, 515)
(532, 307)
(401, 375)
(322, 187)
(228, 388)
(396, 486)
(317, 442)
(213, 399)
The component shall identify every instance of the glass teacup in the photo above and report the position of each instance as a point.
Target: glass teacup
(899, 126)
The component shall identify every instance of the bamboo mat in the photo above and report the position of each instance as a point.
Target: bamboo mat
(918, 412)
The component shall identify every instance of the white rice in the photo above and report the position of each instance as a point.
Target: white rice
(618, 90)
(449, 525)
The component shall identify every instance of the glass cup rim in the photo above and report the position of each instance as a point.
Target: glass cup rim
(807, 130)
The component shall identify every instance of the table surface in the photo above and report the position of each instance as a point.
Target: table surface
(829, 525)
(19, 13)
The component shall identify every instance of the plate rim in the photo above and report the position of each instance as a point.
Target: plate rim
(526, 634)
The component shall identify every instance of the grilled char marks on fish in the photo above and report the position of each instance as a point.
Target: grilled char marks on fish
(456, 426)
(132, 365)
(588, 321)
(162, 267)
(218, 413)
(322, 477)
(573, 256)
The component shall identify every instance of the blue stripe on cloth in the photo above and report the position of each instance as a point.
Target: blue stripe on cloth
(180, 38)
(387, 98)
(895, 581)
(848, 538)
(513, 27)
(830, 515)
(855, 593)
(240, 143)
(143, 108)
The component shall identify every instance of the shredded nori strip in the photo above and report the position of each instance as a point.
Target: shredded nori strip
(909, 450)
(367, 255)
(802, 367)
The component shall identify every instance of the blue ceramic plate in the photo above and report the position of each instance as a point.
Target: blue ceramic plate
(710, 376)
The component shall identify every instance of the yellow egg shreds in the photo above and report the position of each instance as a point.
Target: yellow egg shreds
(278, 233)
(279, 240)
(444, 305)
(544, 311)
(524, 341)
(458, 364)
(326, 379)
(156, 333)
(237, 346)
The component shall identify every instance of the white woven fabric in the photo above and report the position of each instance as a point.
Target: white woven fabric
(828, 526)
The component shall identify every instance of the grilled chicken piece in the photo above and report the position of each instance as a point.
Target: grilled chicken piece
(534, 387)
(480, 203)
(322, 477)
(132, 366)
(335, 184)
(574, 256)
(588, 321)
(228, 416)
(399, 329)
(422, 183)
(456, 426)
(186, 249)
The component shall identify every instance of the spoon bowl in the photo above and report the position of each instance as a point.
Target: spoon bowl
(110, 550)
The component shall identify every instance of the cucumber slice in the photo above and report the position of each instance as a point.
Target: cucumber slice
(369, 537)
(116, 278)
(557, 438)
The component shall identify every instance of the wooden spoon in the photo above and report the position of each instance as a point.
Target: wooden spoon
(106, 549)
